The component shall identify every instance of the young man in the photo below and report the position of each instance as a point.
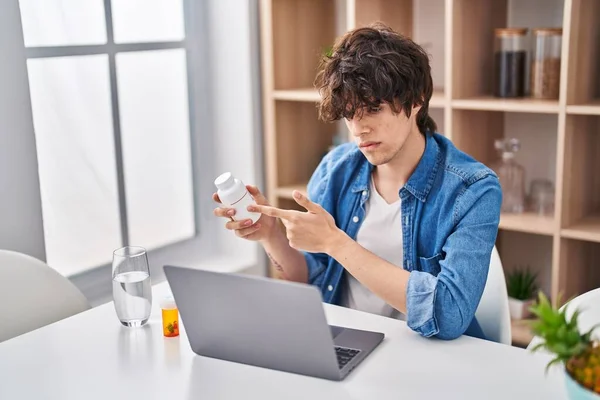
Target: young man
(399, 223)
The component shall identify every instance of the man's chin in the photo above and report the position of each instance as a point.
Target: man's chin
(376, 159)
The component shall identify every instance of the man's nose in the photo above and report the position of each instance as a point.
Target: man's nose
(356, 127)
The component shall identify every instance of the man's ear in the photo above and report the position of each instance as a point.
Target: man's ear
(415, 110)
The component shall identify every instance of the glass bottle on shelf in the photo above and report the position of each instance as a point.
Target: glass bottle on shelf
(510, 54)
(541, 197)
(511, 175)
(545, 63)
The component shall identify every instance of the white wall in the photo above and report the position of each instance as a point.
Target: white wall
(21, 226)
(232, 54)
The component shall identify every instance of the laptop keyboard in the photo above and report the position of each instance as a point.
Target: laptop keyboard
(345, 355)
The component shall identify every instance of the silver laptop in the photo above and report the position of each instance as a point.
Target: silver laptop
(265, 322)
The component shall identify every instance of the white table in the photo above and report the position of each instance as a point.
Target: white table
(90, 356)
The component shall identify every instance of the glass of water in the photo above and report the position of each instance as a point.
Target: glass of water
(132, 290)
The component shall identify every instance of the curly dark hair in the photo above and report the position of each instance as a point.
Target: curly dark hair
(373, 65)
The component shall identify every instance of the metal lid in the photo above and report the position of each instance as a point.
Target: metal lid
(510, 31)
(547, 31)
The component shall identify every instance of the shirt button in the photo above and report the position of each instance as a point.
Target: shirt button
(365, 193)
(330, 288)
(355, 219)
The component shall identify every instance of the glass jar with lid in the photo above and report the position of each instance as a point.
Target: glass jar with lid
(510, 54)
(545, 63)
(541, 197)
(511, 175)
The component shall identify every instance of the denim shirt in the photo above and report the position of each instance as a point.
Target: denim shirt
(450, 216)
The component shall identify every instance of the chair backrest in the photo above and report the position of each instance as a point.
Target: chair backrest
(492, 313)
(33, 295)
(589, 306)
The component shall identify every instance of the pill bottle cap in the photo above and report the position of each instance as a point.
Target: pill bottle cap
(225, 181)
(168, 303)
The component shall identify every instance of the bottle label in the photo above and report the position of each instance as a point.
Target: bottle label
(242, 198)
(241, 211)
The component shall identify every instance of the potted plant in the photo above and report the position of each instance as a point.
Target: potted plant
(521, 288)
(578, 352)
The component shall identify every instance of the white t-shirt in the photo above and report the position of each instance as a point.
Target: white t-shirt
(381, 234)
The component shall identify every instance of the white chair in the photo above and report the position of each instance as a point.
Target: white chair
(492, 313)
(589, 305)
(33, 295)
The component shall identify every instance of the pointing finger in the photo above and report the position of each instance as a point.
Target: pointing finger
(306, 203)
(273, 211)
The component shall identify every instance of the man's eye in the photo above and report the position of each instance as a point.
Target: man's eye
(374, 110)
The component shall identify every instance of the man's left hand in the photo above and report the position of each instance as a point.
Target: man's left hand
(313, 231)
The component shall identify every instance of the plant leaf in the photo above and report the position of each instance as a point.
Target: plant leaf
(573, 322)
(520, 284)
(537, 347)
(588, 334)
(557, 360)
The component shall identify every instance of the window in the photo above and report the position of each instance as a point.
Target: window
(110, 97)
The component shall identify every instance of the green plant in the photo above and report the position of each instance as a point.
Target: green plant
(561, 336)
(521, 285)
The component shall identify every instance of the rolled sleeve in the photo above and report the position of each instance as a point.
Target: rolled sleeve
(444, 305)
(420, 298)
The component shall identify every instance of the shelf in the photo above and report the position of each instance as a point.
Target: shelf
(592, 108)
(306, 94)
(521, 332)
(438, 100)
(490, 103)
(528, 223)
(296, 33)
(285, 192)
(587, 229)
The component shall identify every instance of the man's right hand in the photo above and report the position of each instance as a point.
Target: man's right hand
(262, 230)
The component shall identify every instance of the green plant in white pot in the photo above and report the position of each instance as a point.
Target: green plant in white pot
(521, 288)
(578, 353)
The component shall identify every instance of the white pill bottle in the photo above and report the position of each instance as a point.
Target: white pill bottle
(233, 194)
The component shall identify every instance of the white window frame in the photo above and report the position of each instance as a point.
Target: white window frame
(206, 250)
(111, 49)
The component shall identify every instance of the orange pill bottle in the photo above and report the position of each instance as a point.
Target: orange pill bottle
(170, 317)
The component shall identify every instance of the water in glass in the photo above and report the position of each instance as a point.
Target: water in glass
(132, 293)
(132, 288)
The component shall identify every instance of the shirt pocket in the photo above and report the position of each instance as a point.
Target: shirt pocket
(431, 264)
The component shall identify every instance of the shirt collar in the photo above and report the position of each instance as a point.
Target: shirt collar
(361, 183)
(420, 182)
